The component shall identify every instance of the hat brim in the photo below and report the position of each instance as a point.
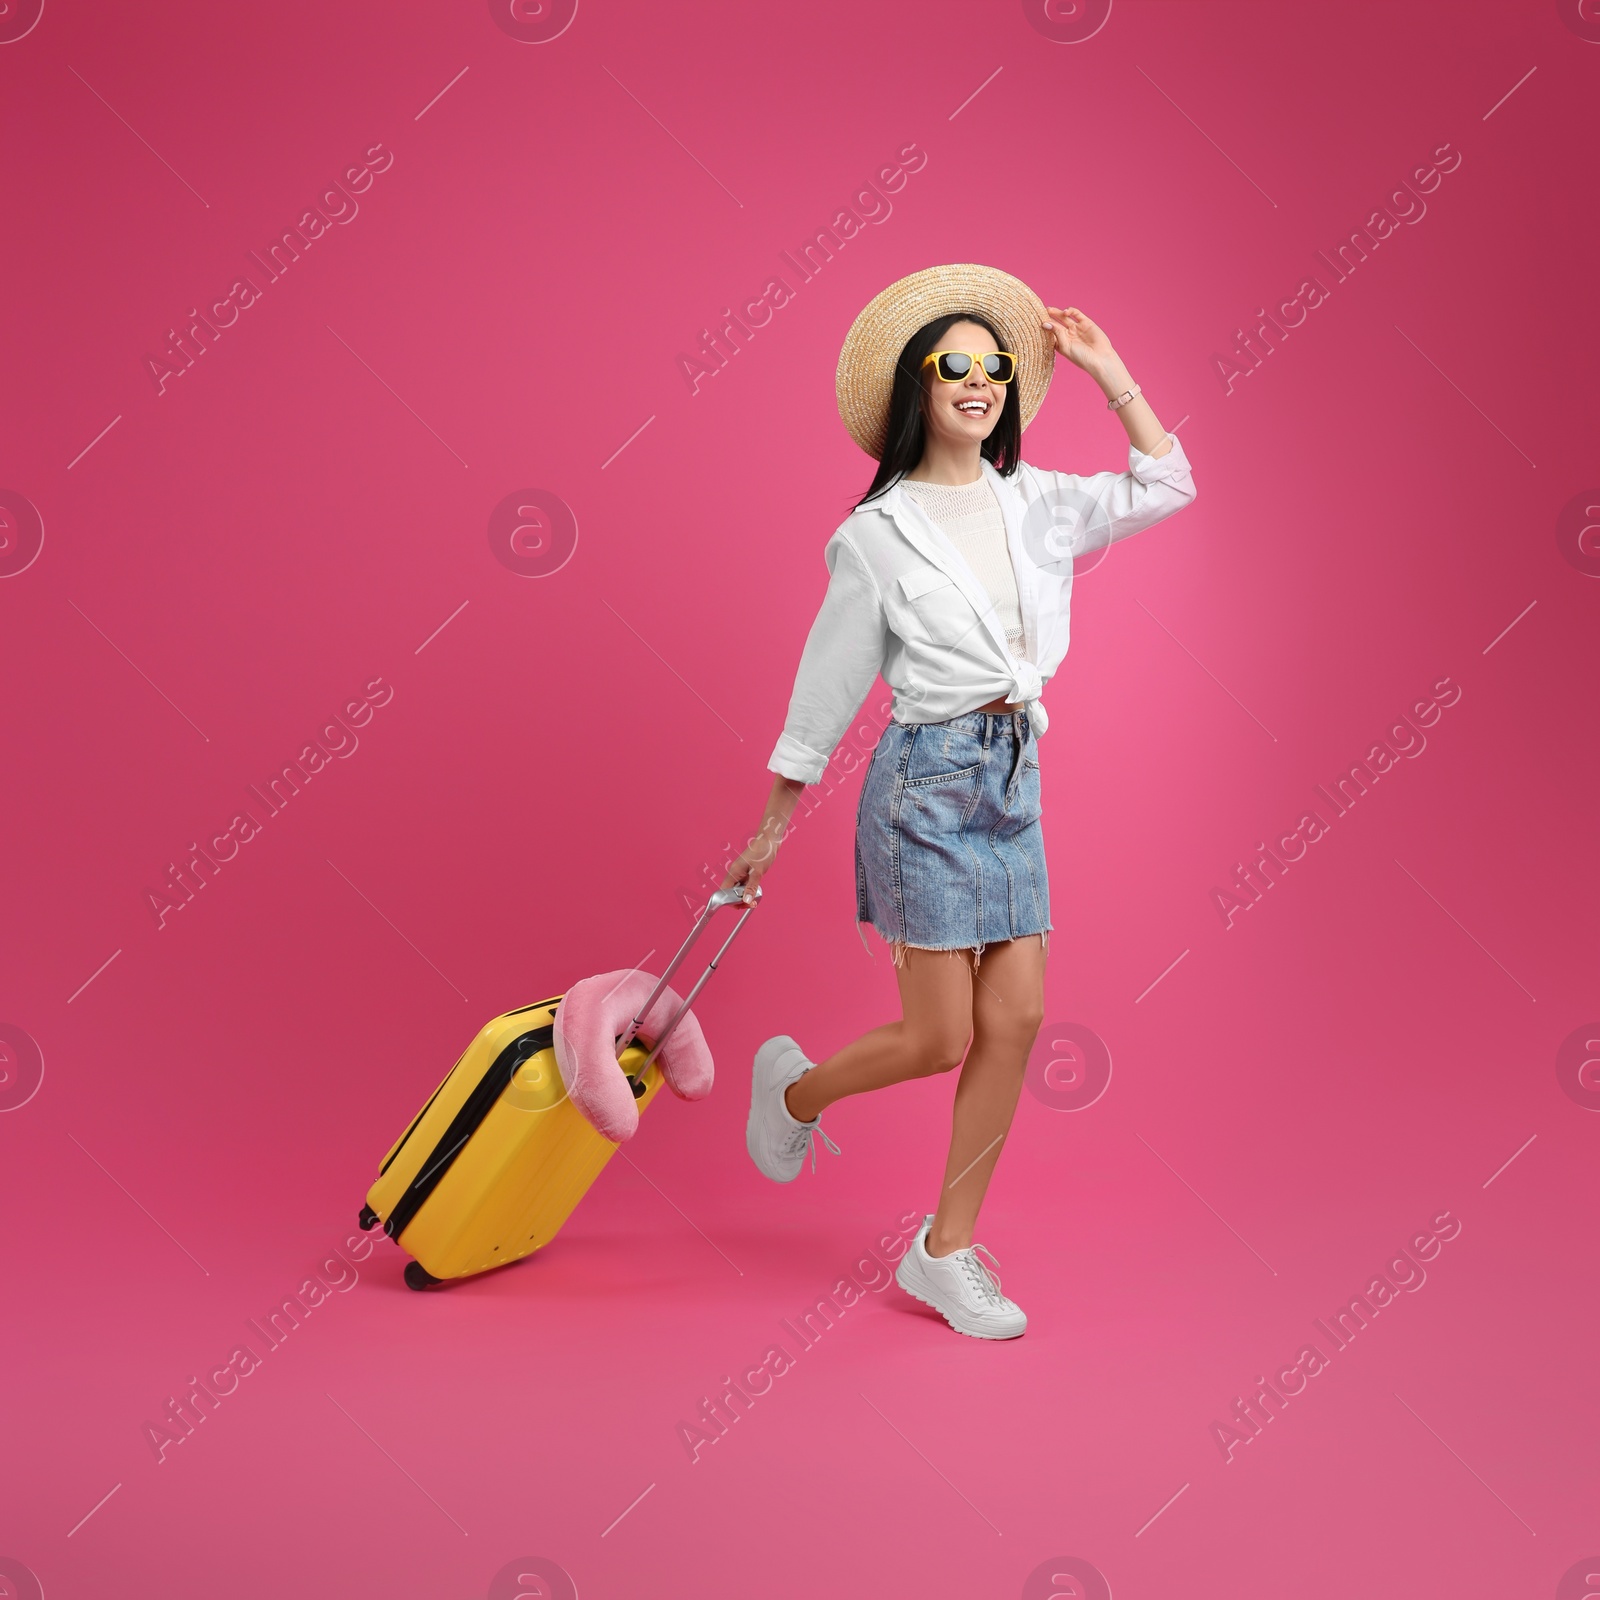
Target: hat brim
(865, 379)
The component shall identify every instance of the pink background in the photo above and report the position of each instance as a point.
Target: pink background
(307, 508)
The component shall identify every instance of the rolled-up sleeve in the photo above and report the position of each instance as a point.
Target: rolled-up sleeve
(843, 656)
(1092, 511)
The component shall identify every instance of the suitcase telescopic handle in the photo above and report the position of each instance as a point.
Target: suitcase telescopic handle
(723, 897)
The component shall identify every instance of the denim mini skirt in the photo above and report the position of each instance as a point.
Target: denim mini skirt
(949, 842)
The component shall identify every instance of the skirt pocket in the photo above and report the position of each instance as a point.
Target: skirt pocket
(965, 775)
(941, 754)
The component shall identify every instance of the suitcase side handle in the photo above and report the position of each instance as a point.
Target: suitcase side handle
(723, 897)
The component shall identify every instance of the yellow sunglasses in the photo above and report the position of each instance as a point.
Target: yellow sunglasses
(952, 366)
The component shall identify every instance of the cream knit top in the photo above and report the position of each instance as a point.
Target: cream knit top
(969, 517)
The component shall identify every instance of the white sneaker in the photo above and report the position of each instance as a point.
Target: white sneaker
(960, 1288)
(776, 1142)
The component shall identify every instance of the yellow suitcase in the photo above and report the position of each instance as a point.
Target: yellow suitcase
(495, 1162)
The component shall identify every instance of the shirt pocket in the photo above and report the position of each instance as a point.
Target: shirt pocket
(936, 609)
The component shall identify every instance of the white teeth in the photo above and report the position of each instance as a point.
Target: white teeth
(975, 408)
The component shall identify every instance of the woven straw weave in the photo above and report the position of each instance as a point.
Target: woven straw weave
(876, 338)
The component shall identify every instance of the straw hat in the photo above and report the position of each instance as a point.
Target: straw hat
(876, 338)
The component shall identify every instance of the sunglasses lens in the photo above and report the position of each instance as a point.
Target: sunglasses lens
(954, 365)
(999, 366)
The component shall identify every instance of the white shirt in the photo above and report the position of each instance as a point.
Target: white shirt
(969, 516)
(903, 604)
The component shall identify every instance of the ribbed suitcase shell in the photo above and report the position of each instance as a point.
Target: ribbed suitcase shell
(516, 1179)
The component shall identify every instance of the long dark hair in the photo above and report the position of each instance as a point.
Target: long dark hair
(906, 434)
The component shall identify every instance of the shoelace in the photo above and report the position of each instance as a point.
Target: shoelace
(985, 1281)
(804, 1139)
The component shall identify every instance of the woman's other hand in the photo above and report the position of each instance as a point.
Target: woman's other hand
(755, 860)
(751, 865)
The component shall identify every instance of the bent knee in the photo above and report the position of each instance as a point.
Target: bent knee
(1015, 1030)
(942, 1053)
(1029, 1021)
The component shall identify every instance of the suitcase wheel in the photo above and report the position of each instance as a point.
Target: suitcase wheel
(418, 1276)
(368, 1219)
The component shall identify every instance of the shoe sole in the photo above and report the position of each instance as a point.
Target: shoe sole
(933, 1305)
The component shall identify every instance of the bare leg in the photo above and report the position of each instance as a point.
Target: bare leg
(936, 1003)
(1007, 1009)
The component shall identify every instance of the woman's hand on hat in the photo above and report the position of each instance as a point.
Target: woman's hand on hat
(1081, 341)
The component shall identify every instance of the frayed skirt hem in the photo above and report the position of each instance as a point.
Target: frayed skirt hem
(899, 948)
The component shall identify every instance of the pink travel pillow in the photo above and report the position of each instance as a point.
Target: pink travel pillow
(593, 1012)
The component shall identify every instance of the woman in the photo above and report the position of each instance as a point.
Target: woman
(951, 579)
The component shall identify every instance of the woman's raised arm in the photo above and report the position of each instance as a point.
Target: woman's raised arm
(1084, 344)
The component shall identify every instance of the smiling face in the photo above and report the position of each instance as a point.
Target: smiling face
(964, 412)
